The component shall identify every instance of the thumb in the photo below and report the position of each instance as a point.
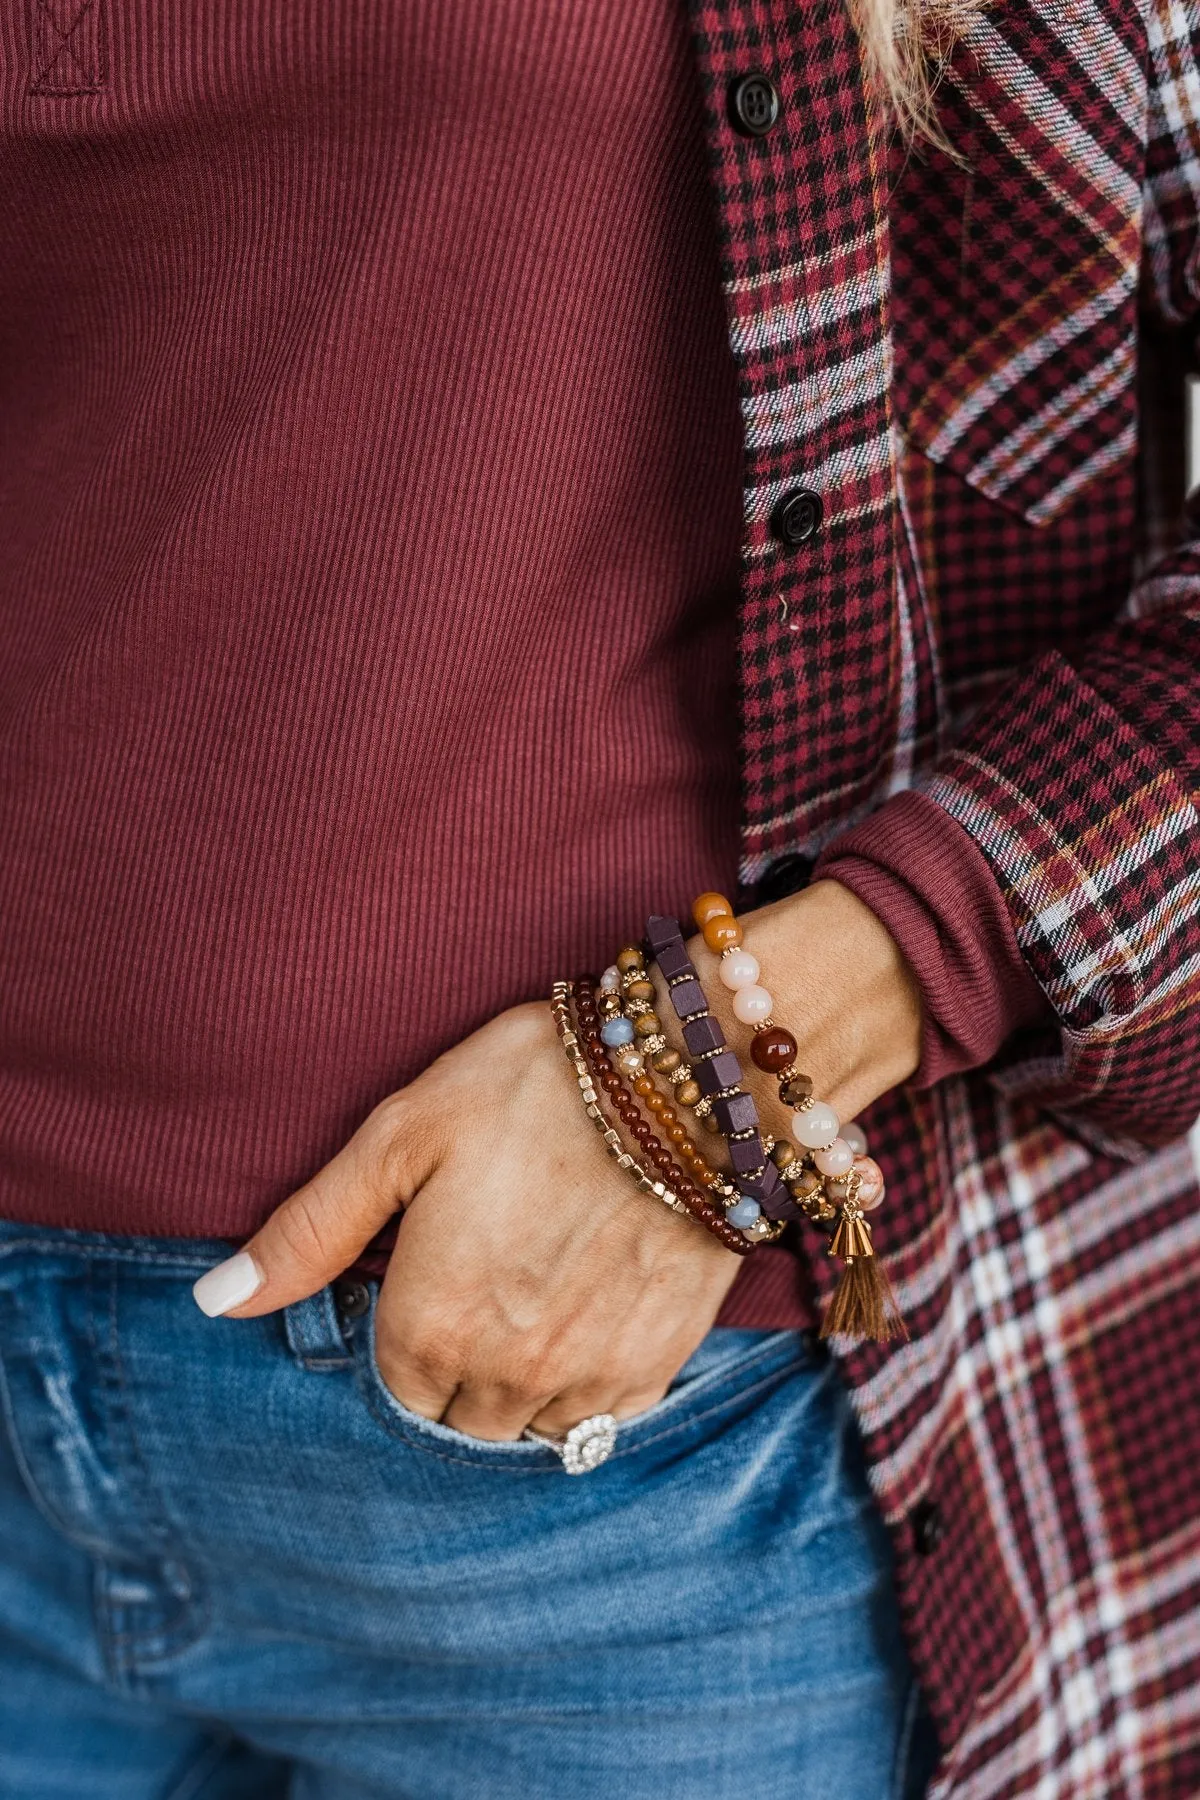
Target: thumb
(320, 1229)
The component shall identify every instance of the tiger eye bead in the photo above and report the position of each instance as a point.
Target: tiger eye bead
(666, 1060)
(647, 1025)
(774, 1050)
(630, 957)
(710, 906)
(640, 989)
(687, 1093)
(783, 1154)
(721, 933)
(806, 1182)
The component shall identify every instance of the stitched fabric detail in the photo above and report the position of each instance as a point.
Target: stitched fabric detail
(69, 47)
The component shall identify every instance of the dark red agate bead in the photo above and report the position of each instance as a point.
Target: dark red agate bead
(773, 1050)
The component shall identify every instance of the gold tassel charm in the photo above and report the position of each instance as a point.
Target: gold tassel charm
(864, 1301)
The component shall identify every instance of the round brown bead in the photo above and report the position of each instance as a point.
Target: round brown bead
(640, 989)
(644, 1085)
(773, 1050)
(783, 1154)
(687, 1093)
(721, 933)
(629, 957)
(710, 906)
(666, 1060)
(647, 1024)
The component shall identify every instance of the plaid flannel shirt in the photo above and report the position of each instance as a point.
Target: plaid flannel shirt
(1003, 608)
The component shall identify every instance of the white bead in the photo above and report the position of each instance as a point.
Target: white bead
(856, 1137)
(816, 1127)
(738, 970)
(610, 981)
(837, 1160)
(750, 1004)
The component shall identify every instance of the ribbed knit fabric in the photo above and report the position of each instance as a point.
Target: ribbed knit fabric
(928, 881)
(370, 511)
(369, 550)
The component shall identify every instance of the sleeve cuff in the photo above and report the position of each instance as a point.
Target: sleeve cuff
(925, 878)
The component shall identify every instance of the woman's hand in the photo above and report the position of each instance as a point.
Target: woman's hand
(532, 1282)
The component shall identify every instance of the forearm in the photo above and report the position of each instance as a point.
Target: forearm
(842, 987)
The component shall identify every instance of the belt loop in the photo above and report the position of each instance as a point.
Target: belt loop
(314, 1333)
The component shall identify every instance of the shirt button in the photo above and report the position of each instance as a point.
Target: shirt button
(797, 517)
(753, 105)
(352, 1298)
(786, 875)
(928, 1527)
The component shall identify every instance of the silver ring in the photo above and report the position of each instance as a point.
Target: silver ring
(585, 1446)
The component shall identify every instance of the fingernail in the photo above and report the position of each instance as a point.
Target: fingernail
(228, 1285)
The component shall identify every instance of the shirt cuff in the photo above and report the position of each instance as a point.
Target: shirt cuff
(924, 877)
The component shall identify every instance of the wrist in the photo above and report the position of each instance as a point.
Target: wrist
(839, 983)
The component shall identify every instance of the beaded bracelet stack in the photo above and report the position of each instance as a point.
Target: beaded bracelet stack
(617, 1046)
(829, 1174)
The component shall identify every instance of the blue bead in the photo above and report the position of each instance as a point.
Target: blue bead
(616, 1032)
(744, 1213)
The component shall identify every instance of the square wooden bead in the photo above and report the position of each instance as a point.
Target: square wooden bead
(661, 931)
(674, 960)
(702, 1035)
(687, 997)
(720, 1071)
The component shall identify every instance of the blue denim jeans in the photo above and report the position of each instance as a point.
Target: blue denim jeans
(232, 1565)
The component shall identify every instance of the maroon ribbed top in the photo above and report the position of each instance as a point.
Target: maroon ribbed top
(369, 548)
(369, 553)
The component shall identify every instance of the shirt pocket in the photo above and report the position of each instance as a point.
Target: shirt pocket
(1016, 271)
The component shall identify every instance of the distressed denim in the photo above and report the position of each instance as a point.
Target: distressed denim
(234, 1567)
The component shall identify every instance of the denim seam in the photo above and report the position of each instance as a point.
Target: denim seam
(89, 1545)
(192, 1611)
(902, 1755)
(399, 1427)
(55, 1246)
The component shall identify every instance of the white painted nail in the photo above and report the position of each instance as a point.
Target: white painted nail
(229, 1284)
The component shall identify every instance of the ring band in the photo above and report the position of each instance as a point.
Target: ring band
(585, 1446)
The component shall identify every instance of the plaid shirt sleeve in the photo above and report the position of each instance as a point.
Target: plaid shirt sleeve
(1081, 785)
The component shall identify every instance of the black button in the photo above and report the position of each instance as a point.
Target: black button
(753, 105)
(928, 1527)
(786, 875)
(797, 517)
(352, 1298)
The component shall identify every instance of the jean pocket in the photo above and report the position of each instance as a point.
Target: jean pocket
(728, 1367)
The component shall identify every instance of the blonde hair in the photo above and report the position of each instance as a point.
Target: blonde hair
(905, 44)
